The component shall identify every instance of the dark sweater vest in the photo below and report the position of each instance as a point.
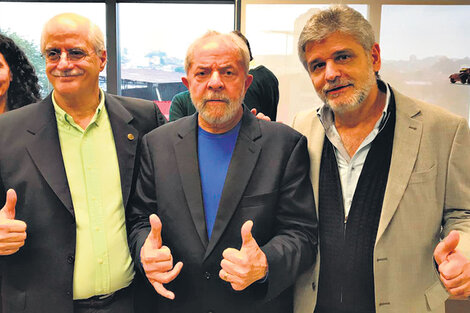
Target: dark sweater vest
(346, 282)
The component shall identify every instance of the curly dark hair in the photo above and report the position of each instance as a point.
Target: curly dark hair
(24, 88)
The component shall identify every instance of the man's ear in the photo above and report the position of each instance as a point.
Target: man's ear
(248, 81)
(103, 55)
(185, 81)
(375, 55)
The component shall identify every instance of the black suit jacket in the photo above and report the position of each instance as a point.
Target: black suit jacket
(38, 278)
(267, 182)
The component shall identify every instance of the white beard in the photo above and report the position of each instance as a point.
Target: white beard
(352, 102)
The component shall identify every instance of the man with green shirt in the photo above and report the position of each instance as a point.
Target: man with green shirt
(68, 165)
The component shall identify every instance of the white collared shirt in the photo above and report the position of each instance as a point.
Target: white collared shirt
(350, 168)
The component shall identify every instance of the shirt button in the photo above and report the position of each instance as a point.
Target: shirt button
(70, 259)
(207, 275)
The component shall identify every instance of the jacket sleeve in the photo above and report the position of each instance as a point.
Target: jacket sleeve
(294, 247)
(457, 197)
(142, 204)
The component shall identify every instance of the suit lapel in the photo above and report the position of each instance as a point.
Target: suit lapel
(188, 167)
(308, 124)
(242, 164)
(125, 138)
(406, 143)
(315, 148)
(44, 149)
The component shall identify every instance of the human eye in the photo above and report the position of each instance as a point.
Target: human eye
(343, 58)
(201, 73)
(229, 72)
(316, 66)
(52, 54)
(76, 54)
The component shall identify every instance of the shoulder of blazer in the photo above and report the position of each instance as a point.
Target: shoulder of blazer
(424, 111)
(140, 109)
(304, 120)
(31, 117)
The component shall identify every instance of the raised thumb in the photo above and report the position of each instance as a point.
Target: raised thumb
(446, 246)
(247, 238)
(155, 235)
(8, 210)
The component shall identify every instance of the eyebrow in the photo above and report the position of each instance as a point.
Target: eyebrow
(343, 52)
(335, 54)
(52, 48)
(222, 67)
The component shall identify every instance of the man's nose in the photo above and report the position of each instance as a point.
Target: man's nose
(63, 60)
(331, 71)
(215, 81)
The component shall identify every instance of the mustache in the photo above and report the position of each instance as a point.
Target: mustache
(215, 96)
(336, 85)
(68, 73)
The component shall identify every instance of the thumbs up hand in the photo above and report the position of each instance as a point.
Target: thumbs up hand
(157, 260)
(12, 232)
(243, 267)
(454, 267)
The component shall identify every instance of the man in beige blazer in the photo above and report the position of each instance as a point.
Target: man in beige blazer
(391, 177)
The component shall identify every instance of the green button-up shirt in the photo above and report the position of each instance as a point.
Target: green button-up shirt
(102, 259)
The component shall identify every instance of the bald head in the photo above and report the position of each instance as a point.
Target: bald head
(209, 38)
(71, 23)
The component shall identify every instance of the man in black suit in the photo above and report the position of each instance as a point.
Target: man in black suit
(72, 160)
(228, 196)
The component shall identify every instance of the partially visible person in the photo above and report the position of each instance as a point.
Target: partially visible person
(18, 80)
(391, 175)
(68, 165)
(181, 105)
(228, 195)
(262, 95)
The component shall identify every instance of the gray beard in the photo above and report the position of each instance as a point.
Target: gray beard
(355, 100)
(231, 110)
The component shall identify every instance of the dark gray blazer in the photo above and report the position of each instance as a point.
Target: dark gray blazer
(38, 278)
(267, 182)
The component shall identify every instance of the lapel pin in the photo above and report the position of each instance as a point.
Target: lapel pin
(130, 137)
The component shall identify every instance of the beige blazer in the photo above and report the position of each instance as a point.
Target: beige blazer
(428, 188)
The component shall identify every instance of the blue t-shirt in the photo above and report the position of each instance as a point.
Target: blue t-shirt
(214, 153)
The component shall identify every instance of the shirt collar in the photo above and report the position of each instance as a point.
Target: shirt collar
(64, 118)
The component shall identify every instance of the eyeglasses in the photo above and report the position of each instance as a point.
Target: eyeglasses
(73, 55)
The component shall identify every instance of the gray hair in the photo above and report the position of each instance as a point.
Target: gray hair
(95, 35)
(230, 38)
(337, 18)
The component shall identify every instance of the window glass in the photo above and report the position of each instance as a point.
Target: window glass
(154, 38)
(23, 22)
(273, 31)
(422, 45)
